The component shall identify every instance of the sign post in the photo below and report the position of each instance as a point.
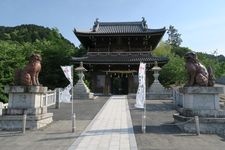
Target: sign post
(141, 93)
(68, 71)
(73, 114)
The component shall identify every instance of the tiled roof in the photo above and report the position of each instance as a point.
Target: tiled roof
(119, 59)
(109, 31)
(121, 27)
(132, 27)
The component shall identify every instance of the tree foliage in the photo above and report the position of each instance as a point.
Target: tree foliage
(179, 51)
(18, 43)
(174, 73)
(11, 56)
(210, 60)
(174, 38)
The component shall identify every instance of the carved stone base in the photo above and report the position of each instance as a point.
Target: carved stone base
(25, 97)
(29, 100)
(29, 111)
(204, 103)
(15, 122)
(201, 98)
(157, 91)
(206, 124)
(81, 91)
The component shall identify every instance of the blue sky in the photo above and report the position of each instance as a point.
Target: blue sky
(201, 22)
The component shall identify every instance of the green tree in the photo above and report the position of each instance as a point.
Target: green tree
(217, 66)
(18, 43)
(173, 72)
(163, 49)
(12, 57)
(174, 38)
(53, 56)
(179, 51)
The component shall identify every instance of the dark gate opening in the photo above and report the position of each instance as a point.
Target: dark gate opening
(119, 85)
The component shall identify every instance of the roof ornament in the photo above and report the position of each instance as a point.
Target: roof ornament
(96, 25)
(144, 24)
(74, 30)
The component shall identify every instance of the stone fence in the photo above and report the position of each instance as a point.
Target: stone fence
(49, 98)
(2, 107)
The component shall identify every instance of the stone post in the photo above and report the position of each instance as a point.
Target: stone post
(24, 122)
(73, 122)
(197, 125)
(57, 103)
(1, 108)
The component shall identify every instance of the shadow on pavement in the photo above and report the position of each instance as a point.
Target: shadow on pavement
(161, 129)
(57, 138)
(10, 133)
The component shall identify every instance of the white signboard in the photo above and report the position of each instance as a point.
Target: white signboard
(68, 72)
(141, 92)
(66, 95)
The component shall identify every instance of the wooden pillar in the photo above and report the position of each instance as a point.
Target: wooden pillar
(107, 83)
(128, 44)
(147, 79)
(109, 44)
(93, 82)
(105, 87)
(130, 84)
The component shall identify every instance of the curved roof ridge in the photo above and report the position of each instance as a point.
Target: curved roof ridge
(121, 23)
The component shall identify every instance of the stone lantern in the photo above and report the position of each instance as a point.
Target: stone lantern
(156, 90)
(80, 90)
(80, 71)
(156, 70)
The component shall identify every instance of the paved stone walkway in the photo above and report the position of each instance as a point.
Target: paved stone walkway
(111, 129)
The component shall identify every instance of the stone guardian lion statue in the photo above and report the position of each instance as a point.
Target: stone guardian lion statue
(198, 75)
(29, 75)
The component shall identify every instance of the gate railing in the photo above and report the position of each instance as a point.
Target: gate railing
(49, 98)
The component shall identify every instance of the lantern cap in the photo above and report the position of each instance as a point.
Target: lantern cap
(80, 68)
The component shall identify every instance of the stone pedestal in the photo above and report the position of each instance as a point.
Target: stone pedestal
(202, 102)
(29, 100)
(156, 90)
(81, 91)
